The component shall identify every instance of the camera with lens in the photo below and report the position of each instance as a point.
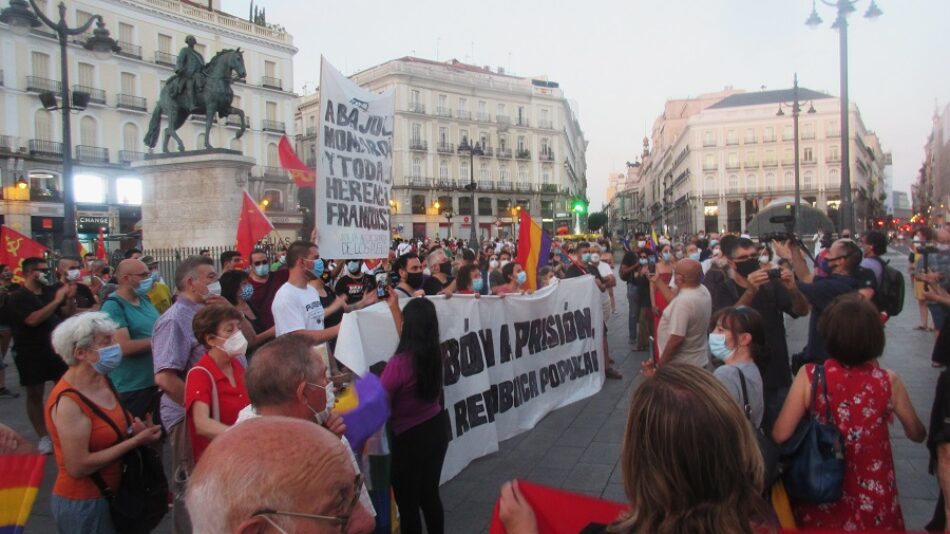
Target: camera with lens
(775, 274)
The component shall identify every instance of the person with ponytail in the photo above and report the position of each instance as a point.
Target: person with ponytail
(738, 340)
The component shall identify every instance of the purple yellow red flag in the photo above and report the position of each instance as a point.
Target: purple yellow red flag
(20, 479)
(534, 247)
(302, 175)
(16, 248)
(364, 407)
(252, 226)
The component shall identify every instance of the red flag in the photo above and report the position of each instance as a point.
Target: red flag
(16, 248)
(252, 226)
(302, 175)
(560, 512)
(101, 245)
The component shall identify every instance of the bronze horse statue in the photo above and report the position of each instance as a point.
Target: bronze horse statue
(214, 99)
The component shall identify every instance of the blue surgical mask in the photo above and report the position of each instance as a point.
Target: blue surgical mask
(353, 266)
(145, 286)
(317, 268)
(644, 261)
(694, 256)
(109, 358)
(585, 257)
(262, 270)
(521, 278)
(156, 277)
(717, 345)
(478, 284)
(667, 256)
(247, 291)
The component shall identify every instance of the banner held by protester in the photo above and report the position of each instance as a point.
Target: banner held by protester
(507, 362)
(355, 168)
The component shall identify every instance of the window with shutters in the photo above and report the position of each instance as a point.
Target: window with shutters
(130, 137)
(271, 111)
(125, 32)
(443, 136)
(443, 170)
(165, 43)
(88, 132)
(40, 64)
(522, 173)
(416, 136)
(504, 175)
(87, 75)
(128, 83)
(483, 173)
(416, 168)
(272, 159)
(270, 69)
(82, 17)
(43, 125)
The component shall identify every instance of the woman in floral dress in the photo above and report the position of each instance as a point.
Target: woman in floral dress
(863, 398)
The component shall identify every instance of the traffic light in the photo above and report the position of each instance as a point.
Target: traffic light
(579, 206)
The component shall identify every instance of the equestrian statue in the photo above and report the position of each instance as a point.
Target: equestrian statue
(197, 88)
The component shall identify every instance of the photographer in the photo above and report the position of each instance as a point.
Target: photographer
(846, 276)
(772, 293)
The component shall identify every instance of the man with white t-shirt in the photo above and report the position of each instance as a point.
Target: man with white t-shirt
(296, 306)
(604, 279)
(683, 331)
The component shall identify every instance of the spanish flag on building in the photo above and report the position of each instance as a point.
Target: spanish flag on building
(20, 478)
(534, 247)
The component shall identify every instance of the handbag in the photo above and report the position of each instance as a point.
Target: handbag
(768, 448)
(814, 455)
(141, 500)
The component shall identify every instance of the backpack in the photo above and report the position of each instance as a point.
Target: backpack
(889, 295)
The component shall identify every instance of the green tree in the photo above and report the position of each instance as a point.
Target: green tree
(596, 221)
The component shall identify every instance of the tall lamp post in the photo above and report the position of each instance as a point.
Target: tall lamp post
(796, 110)
(844, 8)
(21, 20)
(472, 151)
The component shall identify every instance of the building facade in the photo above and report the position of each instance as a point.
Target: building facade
(932, 190)
(533, 148)
(719, 158)
(624, 200)
(124, 88)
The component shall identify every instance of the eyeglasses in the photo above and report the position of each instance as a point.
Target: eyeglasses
(341, 520)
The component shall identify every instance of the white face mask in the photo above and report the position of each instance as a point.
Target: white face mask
(73, 274)
(764, 259)
(214, 288)
(493, 264)
(321, 416)
(235, 344)
(595, 258)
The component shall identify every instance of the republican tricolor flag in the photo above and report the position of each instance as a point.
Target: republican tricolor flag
(20, 478)
(302, 175)
(534, 247)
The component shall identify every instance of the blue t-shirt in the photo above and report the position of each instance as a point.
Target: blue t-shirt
(135, 372)
(820, 293)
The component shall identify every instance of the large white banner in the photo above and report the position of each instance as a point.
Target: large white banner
(354, 174)
(507, 361)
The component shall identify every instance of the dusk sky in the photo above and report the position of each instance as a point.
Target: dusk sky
(617, 62)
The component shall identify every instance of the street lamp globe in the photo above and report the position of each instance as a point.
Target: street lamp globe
(19, 17)
(873, 11)
(101, 43)
(813, 20)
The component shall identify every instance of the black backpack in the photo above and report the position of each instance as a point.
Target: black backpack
(889, 295)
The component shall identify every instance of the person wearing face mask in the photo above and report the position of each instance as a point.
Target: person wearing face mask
(514, 278)
(175, 350)
(604, 279)
(84, 443)
(159, 295)
(641, 278)
(494, 276)
(354, 283)
(265, 285)
(214, 389)
(440, 280)
(420, 427)
(68, 272)
(32, 312)
(469, 281)
(409, 269)
(738, 340)
(297, 306)
(658, 300)
(238, 291)
(134, 315)
(579, 261)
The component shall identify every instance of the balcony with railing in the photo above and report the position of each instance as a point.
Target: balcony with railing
(311, 131)
(92, 154)
(732, 165)
(132, 102)
(750, 165)
(522, 121)
(273, 173)
(419, 182)
(463, 114)
(416, 107)
(445, 148)
(770, 163)
(443, 112)
(546, 125)
(446, 183)
(97, 96)
(272, 82)
(128, 156)
(522, 153)
(269, 125)
(503, 119)
(486, 185)
(809, 161)
(546, 155)
(524, 187)
(768, 138)
(832, 159)
(503, 153)
(808, 135)
(487, 151)
(195, 11)
(129, 50)
(165, 58)
(710, 168)
(484, 117)
(42, 147)
(38, 84)
(549, 188)
(419, 145)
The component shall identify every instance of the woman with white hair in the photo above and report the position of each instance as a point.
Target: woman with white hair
(84, 443)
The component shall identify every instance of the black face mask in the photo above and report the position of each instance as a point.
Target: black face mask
(446, 268)
(745, 268)
(414, 280)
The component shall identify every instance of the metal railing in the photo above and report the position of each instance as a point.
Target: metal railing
(129, 50)
(522, 154)
(272, 82)
(41, 194)
(750, 165)
(446, 183)
(416, 107)
(95, 95)
(311, 131)
(137, 103)
(443, 112)
(418, 181)
(165, 58)
(547, 125)
(547, 155)
(39, 84)
(708, 168)
(522, 121)
(487, 151)
(272, 126)
(464, 114)
(46, 148)
(770, 163)
(503, 153)
(484, 117)
(128, 156)
(486, 185)
(92, 154)
(732, 165)
(268, 171)
(420, 145)
(505, 186)
(445, 148)
(811, 161)
(502, 119)
(548, 188)
(235, 120)
(832, 159)
(524, 187)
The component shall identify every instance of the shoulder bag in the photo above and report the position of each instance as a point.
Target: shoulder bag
(814, 456)
(768, 448)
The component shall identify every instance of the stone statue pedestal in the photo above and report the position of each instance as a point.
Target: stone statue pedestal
(192, 199)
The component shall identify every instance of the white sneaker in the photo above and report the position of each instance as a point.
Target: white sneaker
(45, 445)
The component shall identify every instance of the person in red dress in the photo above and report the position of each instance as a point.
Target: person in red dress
(218, 327)
(863, 397)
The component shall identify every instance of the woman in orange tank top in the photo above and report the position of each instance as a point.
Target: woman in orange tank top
(84, 443)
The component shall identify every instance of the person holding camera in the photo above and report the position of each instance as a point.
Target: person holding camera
(771, 292)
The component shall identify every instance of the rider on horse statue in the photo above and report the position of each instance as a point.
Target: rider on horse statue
(190, 71)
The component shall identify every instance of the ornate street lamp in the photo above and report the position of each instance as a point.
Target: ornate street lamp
(21, 20)
(472, 151)
(796, 110)
(843, 8)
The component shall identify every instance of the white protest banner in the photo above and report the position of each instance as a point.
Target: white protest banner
(507, 361)
(354, 175)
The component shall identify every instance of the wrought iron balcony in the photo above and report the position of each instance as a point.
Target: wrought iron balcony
(165, 58)
(505, 186)
(548, 188)
(419, 182)
(446, 183)
(750, 165)
(732, 165)
(272, 82)
(416, 107)
(522, 121)
(487, 151)
(43, 147)
(833, 159)
(445, 148)
(502, 119)
(136, 103)
(273, 172)
(522, 154)
(419, 145)
(524, 187)
(770, 163)
(503, 153)
(547, 155)
(443, 112)
(129, 50)
(235, 120)
(268, 125)
(547, 125)
(40, 85)
(95, 95)
(809, 161)
(484, 117)
(464, 114)
(311, 131)
(708, 168)
(486, 185)
(92, 154)
(128, 156)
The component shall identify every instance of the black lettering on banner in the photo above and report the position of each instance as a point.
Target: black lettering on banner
(476, 407)
(461, 418)
(452, 369)
(550, 333)
(570, 332)
(488, 348)
(491, 402)
(534, 343)
(585, 328)
(522, 332)
(471, 354)
(504, 344)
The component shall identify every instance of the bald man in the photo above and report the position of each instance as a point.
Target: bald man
(276, 474)
(135, 315)
(682, 335)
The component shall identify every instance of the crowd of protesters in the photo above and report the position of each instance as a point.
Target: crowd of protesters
(180, 364)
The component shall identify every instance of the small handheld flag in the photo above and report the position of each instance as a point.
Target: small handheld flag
(252, 226)
(302, 175)
(534, 246)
